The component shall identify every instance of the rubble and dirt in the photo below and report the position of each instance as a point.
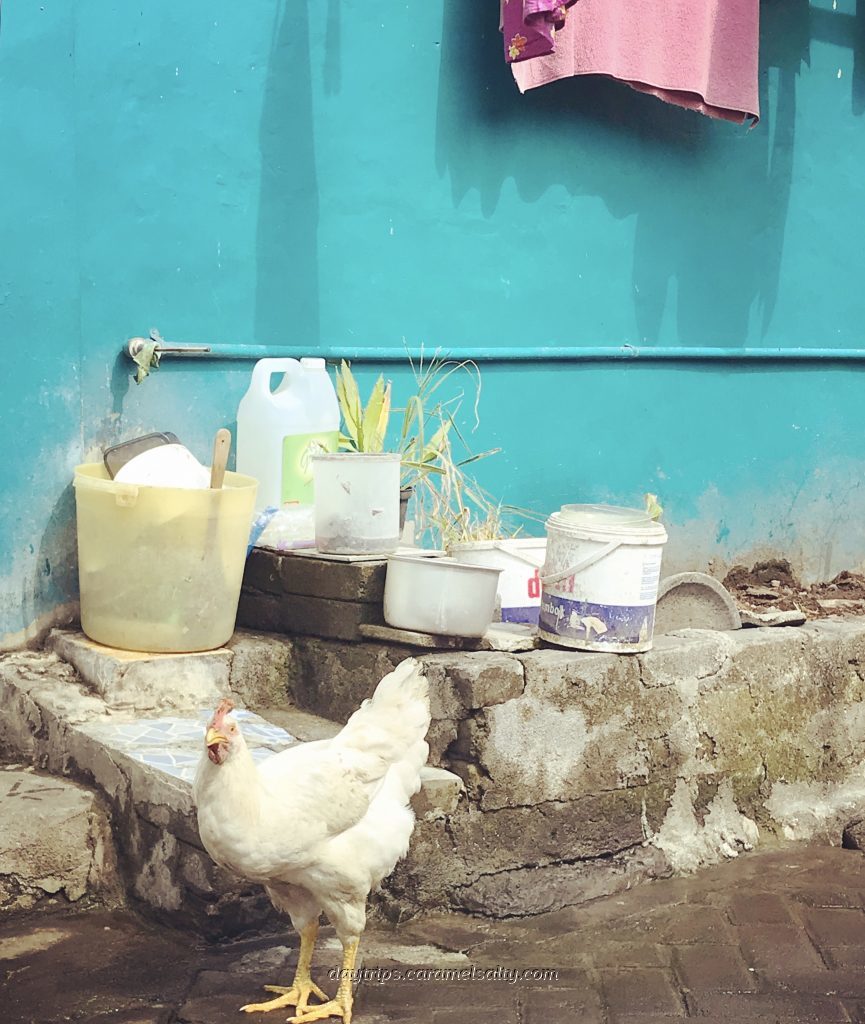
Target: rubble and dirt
(772, 586)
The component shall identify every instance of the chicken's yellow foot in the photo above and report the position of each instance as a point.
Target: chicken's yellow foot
(334, 1008)
(302, 987)
(341, 1005)
(298, 995)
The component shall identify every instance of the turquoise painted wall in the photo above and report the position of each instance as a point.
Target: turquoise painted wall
(319, 173)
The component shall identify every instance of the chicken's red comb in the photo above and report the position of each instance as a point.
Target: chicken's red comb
(222, 709)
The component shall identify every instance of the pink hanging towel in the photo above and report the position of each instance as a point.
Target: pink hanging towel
(700, 54)
(529, 27)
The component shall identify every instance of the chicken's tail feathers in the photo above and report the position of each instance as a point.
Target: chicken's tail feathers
(392, 724)
(404, 689)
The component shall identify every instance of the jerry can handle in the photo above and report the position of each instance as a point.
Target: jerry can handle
(264, 369)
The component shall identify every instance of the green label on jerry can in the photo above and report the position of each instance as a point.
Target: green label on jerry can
(297, 452)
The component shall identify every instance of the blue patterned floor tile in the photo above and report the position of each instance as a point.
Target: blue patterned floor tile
(174, 745)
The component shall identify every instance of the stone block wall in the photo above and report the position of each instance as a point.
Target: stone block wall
(585, 773)
(300, 594)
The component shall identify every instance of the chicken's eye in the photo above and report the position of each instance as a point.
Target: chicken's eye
(233, 729)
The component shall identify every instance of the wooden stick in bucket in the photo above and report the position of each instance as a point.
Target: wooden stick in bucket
(221, 448)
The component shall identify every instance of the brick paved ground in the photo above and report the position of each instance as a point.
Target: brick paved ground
(773, 937)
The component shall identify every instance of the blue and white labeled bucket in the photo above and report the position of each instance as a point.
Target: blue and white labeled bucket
(600, 580)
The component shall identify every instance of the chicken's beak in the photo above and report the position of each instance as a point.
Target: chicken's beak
(214, 737)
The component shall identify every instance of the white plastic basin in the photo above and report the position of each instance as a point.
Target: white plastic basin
(439, 595)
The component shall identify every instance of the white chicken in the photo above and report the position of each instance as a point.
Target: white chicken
(320, 824)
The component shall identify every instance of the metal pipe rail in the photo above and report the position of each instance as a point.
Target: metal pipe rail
(517, 354)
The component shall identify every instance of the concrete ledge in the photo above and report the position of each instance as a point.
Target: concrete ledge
(55, 844)
(588, 772)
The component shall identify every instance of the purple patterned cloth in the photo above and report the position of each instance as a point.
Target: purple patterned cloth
(529, 27)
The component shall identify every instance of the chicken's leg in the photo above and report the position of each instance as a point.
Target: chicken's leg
(302, 987)
(341, 1005)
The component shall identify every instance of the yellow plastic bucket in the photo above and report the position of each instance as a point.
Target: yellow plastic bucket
(160, 568)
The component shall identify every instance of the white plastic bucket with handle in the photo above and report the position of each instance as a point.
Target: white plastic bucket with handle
(600, 580)
(521, 560)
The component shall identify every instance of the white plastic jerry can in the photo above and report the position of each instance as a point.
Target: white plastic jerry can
(278, 431)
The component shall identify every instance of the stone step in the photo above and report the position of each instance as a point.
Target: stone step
(55, 844)
(585, 773)
(144, 764)
(252, 666)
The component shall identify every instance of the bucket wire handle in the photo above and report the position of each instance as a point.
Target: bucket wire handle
(589, 560)
(533, 562)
